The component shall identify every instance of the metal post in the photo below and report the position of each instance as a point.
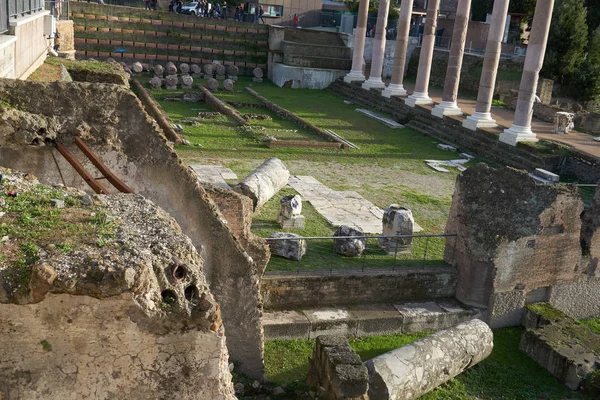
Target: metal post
(299, 261)
(425, 252)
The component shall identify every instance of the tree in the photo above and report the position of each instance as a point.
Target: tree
(522, 6)
(588, 77)
(481, 8)
(567, 41)
(593, 17)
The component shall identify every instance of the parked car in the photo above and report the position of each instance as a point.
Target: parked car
(191, 9)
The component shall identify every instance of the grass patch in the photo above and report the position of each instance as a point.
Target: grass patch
(593, 324)
(505, 374)
(47, 72)
(31, 224)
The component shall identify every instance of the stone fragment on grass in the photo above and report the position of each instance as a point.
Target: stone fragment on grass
(397, 221)
(159, 71)
(287, 245)
(349, 247)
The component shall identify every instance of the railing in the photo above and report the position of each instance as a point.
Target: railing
(58, 9)
(398, 251)
(18, 8)
(11, 9)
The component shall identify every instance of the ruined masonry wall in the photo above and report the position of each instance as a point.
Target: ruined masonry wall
(111, 120)
(76, 347)
(288, 292)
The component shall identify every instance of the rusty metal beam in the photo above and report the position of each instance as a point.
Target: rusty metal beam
(87, 177)
(112, 178)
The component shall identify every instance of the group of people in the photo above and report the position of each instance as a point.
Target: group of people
(211, 10)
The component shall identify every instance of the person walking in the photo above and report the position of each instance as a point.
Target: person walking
(256, 14)
(295, 20)
(260, 14)
(224, 10)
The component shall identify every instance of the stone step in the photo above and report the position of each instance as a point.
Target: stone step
(366, 320)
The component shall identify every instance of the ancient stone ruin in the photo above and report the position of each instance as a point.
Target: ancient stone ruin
(111, 121)
(264, 182)
(287, 245)
(397, 221)
(92, 322)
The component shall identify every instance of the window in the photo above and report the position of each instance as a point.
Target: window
(269, 9)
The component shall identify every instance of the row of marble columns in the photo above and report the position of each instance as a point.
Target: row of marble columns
(482, 117)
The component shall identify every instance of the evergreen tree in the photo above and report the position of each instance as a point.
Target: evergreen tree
(588, 77)
(567, 41)
(593, 17)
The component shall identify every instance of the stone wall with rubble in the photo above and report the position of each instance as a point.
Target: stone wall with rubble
(111, 120)
(519, 242)
(95, 320)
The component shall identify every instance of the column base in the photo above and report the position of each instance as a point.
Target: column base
(516, 134)
(354, 76)
(446, 108)
(373, 83)
(418, 98)
(479, 120)
(394, 90)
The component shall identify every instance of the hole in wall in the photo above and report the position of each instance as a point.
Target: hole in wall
(191, 293)
(168, 296)
(178, 271)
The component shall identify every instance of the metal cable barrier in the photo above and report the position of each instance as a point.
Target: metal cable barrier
(379, 252)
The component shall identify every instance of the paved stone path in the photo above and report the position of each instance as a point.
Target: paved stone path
(339, 208)
(213, 174)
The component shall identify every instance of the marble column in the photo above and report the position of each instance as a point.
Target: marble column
(482, 117)
(374, 81)
(520, 131)
(448, 106)
(396, 88)
(360, 33)
(421, 93)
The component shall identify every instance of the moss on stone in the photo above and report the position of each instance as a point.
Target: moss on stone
(545, 310)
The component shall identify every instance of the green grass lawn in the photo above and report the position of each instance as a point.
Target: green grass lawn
(507, 374)
(387, 168)
(320, 255)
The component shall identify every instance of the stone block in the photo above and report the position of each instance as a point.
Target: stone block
(506, 309)
(287, 245)
(380, 319)
(352, 242)
(295, 222)
(419, 317)
(285, 325)
(330, 321)
(542, 173)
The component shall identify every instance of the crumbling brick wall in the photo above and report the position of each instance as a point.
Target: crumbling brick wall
(515, 236)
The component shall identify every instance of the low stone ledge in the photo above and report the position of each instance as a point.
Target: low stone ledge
(557, 342)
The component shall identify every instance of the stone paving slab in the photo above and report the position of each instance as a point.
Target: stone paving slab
(213, 174)
(341, 208)
(366, 320)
